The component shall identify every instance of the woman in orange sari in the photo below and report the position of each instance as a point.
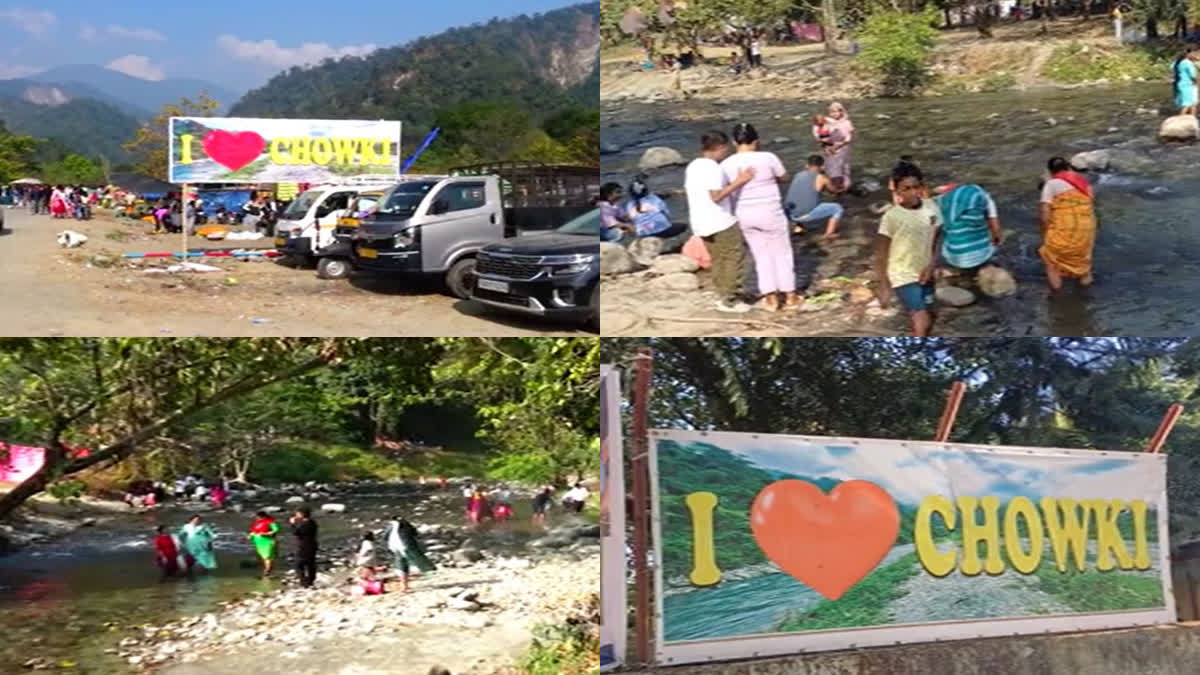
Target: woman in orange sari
(1068, 225)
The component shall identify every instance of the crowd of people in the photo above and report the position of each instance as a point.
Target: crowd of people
(746, 208)
(497, 504)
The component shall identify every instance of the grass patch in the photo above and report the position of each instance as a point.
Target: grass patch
(119, 235)
(1092, 591)
(863, 605)
(299, 461)
(571, 649)
(1074, 63)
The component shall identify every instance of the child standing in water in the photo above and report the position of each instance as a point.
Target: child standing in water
(907, 246)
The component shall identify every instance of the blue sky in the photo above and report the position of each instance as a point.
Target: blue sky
(238, 44)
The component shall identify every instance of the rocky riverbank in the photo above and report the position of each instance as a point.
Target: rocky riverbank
(43, 520)
(1019, 57)
(490, 600)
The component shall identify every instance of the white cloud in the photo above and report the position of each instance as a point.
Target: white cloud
(137, 66)
(147, 34)
(33, 21)
(9, 71)
(90, 33)
(270, 53)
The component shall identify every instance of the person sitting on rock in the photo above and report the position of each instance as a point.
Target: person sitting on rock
(647, 211)
(972, 225)
(613, 221)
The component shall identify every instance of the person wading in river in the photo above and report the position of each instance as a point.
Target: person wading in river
(1185, 75)
(1068, 225)
(166, 553)
(906, 249)
(262, 534)
(305, 530)
(197, 538)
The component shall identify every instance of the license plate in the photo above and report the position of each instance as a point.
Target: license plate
(280, 241)
(491, 285)
(368, 253)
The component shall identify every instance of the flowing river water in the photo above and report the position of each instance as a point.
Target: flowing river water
(1146, 268)
(73, 598)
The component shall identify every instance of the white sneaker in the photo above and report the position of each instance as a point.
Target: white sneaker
(735, 308)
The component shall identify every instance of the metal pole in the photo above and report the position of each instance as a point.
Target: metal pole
(184, 230)
(1164, 427)
(950, 412)
(641, 405)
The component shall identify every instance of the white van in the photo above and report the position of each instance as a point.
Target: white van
(307, 225)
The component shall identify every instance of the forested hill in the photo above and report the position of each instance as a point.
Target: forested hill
(544, 63)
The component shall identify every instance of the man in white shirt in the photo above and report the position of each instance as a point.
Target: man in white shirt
(713, 221)
(576, 497)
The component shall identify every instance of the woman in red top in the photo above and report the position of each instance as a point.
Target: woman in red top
(166, 555)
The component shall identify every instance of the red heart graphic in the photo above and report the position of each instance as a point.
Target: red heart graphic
(233, 150)
(828, 542)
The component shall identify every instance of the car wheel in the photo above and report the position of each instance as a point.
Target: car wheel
(333, 268)
(461, 278)
(594, 306)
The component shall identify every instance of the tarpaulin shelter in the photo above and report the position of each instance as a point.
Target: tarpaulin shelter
(231, 199)
(26, 181)
(145, 186)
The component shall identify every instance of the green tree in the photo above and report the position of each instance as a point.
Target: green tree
(536, 397)
(74, 170)
(898, 45)
(149, 145)
(16, 155)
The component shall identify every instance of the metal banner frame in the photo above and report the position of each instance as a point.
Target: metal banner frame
(741, 647)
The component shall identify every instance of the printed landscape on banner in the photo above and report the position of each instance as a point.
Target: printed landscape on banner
(766, 535)
(242, 150)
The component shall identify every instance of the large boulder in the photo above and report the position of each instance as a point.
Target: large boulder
(996, 282)
(657, 158)
(681, 281)
(674, 263)
(1179, 128)
(468, 555)
(294, 499)
(954, 296)
(614, 259)
(333, 508)
(645, 249)
(1125, 161)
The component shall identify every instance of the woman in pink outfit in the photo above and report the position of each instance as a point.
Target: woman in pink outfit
(759, 210)
(837, 155)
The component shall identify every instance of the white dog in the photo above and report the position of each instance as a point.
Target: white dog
(71, 239)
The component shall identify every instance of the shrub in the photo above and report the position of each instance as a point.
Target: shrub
(568, 649)
(897, 45)
(67, 490)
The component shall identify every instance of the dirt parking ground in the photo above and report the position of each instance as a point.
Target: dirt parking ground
(49, 290)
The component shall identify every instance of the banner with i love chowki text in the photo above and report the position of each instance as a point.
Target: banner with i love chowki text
(243, 150)
(772, 544)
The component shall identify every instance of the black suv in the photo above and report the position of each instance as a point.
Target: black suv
(552, 274)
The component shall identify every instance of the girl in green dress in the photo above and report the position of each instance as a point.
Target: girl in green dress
(262, 535)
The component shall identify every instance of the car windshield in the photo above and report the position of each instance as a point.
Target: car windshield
(297, 209)
(404, 199)
(588, 223)
(364, 203)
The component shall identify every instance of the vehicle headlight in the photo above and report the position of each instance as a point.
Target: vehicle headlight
(568, 270)
(570, 265)
(402, 240)
(296, 231)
